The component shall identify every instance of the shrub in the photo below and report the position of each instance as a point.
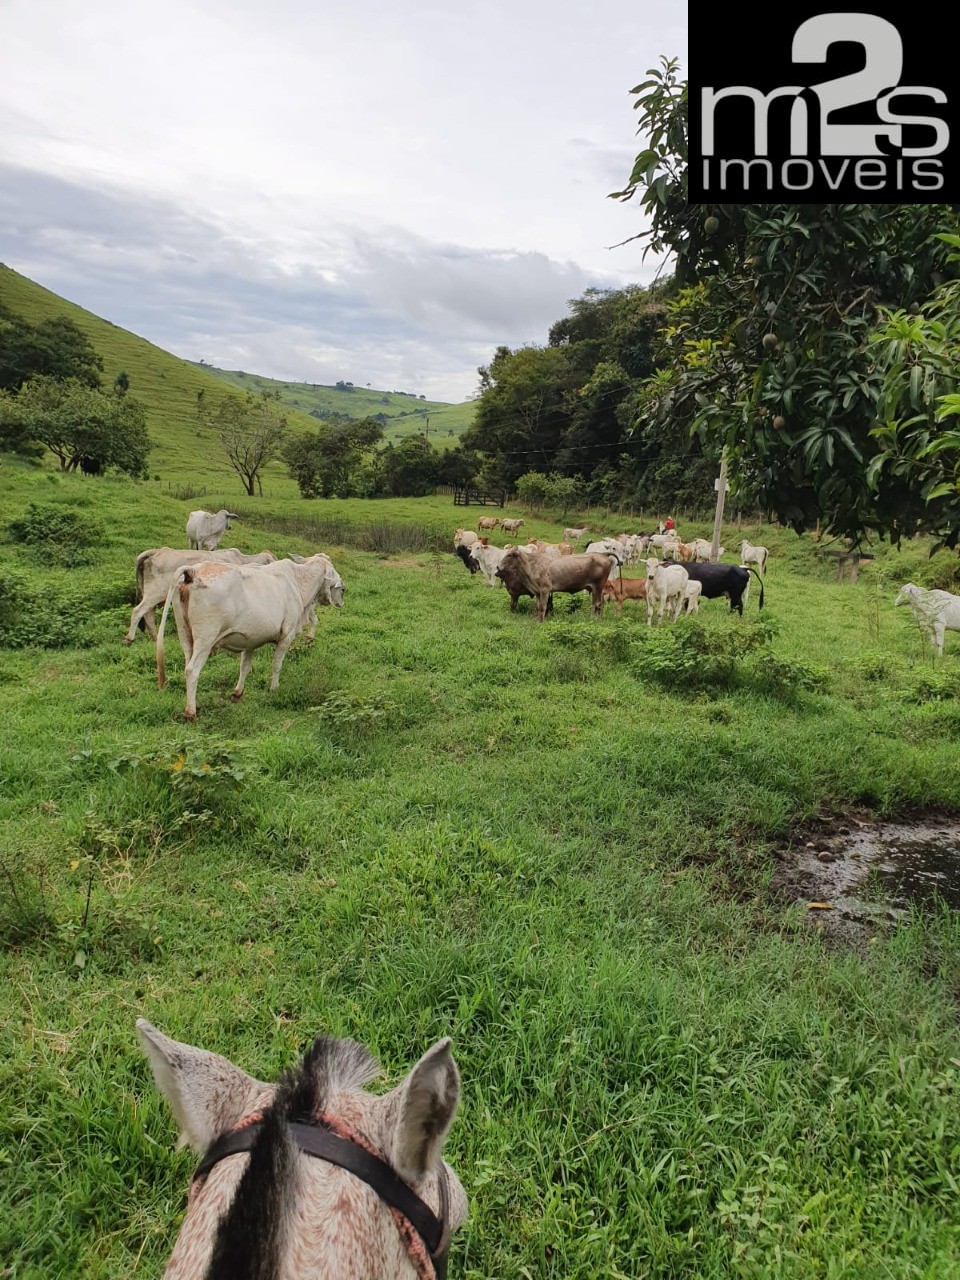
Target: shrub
(59, 534)
(45, 618)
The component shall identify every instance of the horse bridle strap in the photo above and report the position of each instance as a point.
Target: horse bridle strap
(376, 1173)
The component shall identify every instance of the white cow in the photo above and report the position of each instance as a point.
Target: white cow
(750, 554)
(206, 528)
(691, 601)
(464, 538)
(610, 547)
(668, 544)
(666, 584)
(574, 535)
(155, 570)
(703, 550)
(241, 608)
(488, 558)
(936, 612)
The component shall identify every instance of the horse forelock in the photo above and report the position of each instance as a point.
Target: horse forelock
(249, 1242)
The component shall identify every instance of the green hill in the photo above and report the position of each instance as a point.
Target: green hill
(184, 455)
(406, 414)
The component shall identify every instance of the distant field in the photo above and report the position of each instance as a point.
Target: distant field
(408, 414)
(551, 842)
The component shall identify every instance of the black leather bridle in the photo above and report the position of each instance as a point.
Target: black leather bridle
(314, 1140)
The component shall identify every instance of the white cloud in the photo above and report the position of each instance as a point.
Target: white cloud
(444, 171)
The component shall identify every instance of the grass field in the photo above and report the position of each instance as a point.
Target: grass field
(553, 843)
(406, 413)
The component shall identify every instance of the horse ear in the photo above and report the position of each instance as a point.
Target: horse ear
(427, 1103)
(206, 1093)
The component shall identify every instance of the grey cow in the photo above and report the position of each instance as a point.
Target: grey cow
(205, 529)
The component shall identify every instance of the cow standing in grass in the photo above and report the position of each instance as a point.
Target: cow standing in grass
(540, 575)
(240, 609)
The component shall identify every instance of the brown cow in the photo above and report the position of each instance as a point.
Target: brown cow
(488, 522)
(621, 589)
(540, 575)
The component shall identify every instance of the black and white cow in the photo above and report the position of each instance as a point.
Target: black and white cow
(731, 580)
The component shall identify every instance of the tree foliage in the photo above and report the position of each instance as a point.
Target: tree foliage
(251, 429)
(409, 468)
(329, 462)
(768, 347)
(83, 427)
(54, 348)
(561, 407)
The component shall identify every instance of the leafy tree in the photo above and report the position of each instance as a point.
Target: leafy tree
(560, 407)
(458, 466)
(409, 468)
(522, 411)
(767, 348)
(84, 428)
(532, 489)
(918, 353)
(54, 348)
(328, 462)
(251, 431)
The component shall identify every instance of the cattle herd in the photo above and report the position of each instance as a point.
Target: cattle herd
(225, 600)
(678, 574)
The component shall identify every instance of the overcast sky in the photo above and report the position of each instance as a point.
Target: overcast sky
(381, 192)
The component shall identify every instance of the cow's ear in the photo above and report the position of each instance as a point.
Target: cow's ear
(206, 1092)
(426, 1103)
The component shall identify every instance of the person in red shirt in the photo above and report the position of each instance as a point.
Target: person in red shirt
(670, 525)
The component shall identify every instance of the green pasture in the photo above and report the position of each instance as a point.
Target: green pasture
(552, 842)
(407, 414)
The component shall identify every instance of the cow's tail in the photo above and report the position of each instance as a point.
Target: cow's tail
(179, 577)
(759, 579)
(142, 559)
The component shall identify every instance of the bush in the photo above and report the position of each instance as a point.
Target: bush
(60, 535)
(691, 656)
(31, 616)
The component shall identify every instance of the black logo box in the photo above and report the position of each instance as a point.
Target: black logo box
(867, 113)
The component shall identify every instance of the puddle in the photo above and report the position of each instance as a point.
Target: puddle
(871, 875)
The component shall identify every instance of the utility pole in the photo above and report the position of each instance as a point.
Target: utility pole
(721, 487)
(426, 429)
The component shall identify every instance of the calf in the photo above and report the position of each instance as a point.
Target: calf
(574, 535)
(666, 585)
(750, 554)
(488, 522)
(621, 589)
(510, 525)
(466, 555)
(691, 603)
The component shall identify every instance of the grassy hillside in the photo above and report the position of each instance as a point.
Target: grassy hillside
(540, 840)
(183, 454)
(407, 414)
